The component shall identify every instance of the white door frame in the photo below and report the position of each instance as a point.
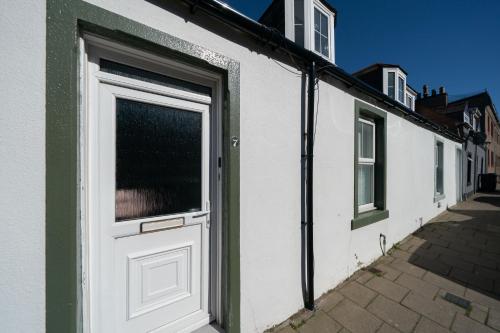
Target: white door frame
(94, 47)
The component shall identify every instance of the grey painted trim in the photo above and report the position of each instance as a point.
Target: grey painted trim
(368, 218)
(66, 19)
(381, 213)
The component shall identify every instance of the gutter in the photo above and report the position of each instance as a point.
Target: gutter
(276, 40)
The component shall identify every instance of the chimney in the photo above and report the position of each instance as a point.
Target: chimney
(433, 92)
(426, 90)
(442, 90)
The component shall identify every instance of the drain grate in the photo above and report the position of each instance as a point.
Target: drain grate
(457, 300)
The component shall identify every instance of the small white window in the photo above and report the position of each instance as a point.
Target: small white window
(321, 32)
(466, 117)
(409, 101)
(401, 89)
(366, 165)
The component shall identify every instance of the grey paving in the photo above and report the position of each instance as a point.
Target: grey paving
(394, 314)
(358, 293)
(355, 318)
(458, 252)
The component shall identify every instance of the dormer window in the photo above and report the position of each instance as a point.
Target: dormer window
(391, 80)
(394, 84)
(321, 32)
(309, 23)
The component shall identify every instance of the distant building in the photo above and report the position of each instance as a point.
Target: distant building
(471, 116)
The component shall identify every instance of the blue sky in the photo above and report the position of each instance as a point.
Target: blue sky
(454, 43)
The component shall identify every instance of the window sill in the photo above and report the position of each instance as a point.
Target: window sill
(368, 218)
(439, 197)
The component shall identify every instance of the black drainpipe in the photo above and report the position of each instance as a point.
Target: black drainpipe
(309, 186)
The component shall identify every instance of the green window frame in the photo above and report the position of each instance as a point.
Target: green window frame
(362, 113)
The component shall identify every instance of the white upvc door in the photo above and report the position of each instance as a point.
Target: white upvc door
(148, 171)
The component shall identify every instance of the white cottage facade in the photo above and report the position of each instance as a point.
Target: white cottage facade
(231, 245)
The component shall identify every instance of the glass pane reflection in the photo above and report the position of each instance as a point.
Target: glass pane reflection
(158, 160)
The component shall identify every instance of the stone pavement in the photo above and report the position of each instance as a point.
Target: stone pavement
(455, 256)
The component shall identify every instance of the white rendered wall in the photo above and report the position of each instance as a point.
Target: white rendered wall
(22, 166)
(270, 176)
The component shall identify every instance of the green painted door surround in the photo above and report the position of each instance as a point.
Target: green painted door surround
(66, 20)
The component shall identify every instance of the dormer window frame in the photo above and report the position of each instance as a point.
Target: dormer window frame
(316, 5)
(411, 97)
(410, 101)
(402, 89)
(308, 24)
(398, 73)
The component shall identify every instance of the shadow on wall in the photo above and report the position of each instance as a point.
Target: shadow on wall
(466, 248)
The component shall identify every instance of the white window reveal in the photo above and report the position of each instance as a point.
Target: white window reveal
(439, 169)
(299, 22)
(409, 101)
(321, 32)
(366, 165)
(401, 89)
(391, 85)
(466, 117)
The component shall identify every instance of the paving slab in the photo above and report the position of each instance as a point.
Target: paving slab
(320, 322)
(463, 324)
(387, 329)
(400, 254)
(444, 283)
(417, 285)
(482, 298)
(328, 301)
(428, 326)
(365, 277)
(387, 288)
(406, 267)
(355, 318)
(429, 308)
(287, 329)
(388, 272)
(478, 314)
(456, 261)
(473, 279)
(432, 264)
(358, 293)
(494, 319)
(394, 314)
